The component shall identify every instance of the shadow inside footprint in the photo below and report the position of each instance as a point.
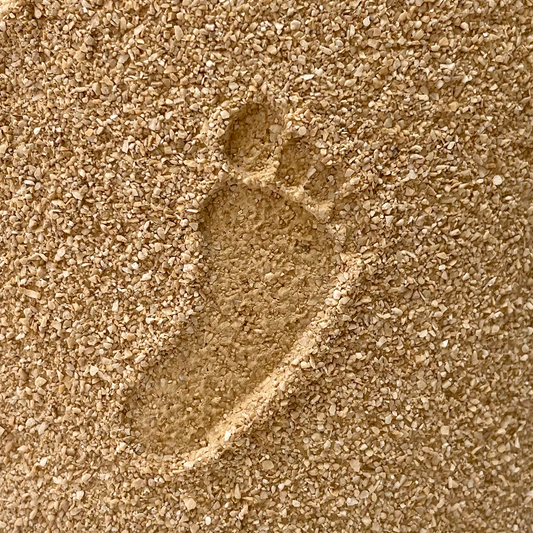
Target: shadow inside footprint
(269, 270)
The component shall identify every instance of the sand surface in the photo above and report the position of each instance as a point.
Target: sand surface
(266, 266)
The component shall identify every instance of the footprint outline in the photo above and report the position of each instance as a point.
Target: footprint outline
(262, 176)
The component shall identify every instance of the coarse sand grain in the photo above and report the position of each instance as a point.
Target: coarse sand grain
(266, 266)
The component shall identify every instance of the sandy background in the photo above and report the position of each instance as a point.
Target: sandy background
(119, 121)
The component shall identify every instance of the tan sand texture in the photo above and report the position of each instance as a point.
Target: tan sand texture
(265, 266)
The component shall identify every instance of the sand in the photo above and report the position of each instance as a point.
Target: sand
(265, 266)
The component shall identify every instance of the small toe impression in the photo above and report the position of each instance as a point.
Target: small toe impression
(294, 164)
(303, 166)
(252, 137)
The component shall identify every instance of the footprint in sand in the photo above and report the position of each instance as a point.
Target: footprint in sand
(270, 264)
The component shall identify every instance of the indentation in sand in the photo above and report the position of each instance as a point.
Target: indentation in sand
(270, 268)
